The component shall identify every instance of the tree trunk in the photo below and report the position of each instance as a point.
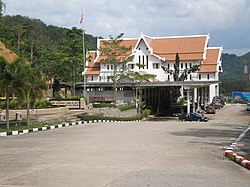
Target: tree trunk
(139, 99)
(28, 109)
(7, 111)
(114, 83)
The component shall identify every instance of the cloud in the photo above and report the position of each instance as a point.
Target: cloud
(226, 21)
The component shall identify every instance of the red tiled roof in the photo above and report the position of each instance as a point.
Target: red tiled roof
(93, 68)
(126, 42)
(189, 48)
(210, 64)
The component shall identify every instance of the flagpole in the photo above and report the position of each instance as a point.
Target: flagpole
(84, 60)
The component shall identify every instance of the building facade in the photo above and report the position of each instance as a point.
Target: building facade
(157, 52)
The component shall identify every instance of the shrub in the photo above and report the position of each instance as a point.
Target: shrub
(126, 107)
(146, 113)
(2, 105)
(181, 101)
(14, 104)
(101, 105)
(43, 104)
(91, 118)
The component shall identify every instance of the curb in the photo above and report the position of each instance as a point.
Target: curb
(230, 154)
(45, 128)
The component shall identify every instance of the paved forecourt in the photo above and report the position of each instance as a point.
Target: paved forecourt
(136, 154)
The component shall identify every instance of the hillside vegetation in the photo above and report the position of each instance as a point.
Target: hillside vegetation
(57, 51)
(232, 78)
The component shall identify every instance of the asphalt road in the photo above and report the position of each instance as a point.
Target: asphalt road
(156, 154)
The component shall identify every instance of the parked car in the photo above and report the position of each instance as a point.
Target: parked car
(210, 109)
(193, 117)
(218, 102)
(248, 107)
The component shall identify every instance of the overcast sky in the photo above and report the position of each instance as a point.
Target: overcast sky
(227, 21)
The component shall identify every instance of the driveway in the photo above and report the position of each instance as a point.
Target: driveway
(128, 154)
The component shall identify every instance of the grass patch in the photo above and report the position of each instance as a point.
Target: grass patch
(25, 127)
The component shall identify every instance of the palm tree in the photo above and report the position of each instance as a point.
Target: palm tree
(9, 82)
(32, 85)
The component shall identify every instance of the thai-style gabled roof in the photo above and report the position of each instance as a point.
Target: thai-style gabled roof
(9, 55)
(125, 42)
(209, 65)
(188, 47)
(92, 68)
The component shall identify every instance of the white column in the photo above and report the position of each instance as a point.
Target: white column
(182, 91)
(202, 96)
(188, 101)
(194, 98)
(198, 99)
(206, 96)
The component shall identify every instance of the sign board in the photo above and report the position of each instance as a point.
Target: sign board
(76, 104)
(241, 96)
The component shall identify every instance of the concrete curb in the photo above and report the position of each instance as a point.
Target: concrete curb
(229, 153)
(13, 133)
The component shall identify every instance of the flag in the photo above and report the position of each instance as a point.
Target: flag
(81, 20)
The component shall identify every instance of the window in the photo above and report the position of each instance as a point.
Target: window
(190, 65)
(143, 63)
(181, 65)
(168, 66)
(190, 77)
(111, 67)
(146, 48)
(207, 76)
(186, 65)
(107, 67)
(92, 78)
(199, 76)
(100, 78)
(139, 61)
(168, 77)
(147, 61)
(131, 66)
(156, 66)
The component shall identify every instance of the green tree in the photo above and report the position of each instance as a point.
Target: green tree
(72, 62)
(32, 85)
(179, 75)
(9, 82)
(115, 54)
(139, 78)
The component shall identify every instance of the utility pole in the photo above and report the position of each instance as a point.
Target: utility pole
(83, 59)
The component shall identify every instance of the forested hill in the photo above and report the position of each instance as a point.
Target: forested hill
(32, 37)
(233, 66)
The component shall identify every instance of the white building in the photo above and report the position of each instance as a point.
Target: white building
(157, 52)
